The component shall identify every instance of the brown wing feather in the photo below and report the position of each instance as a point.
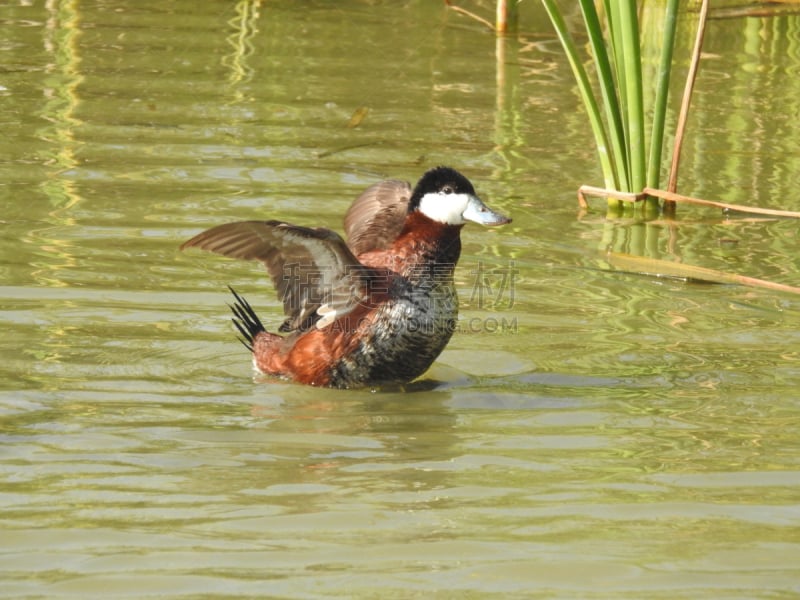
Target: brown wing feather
(376, 217)
(309, 267)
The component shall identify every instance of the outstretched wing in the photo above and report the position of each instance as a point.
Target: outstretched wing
(376, 217)
(317, 277)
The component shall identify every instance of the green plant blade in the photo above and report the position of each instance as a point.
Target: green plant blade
(608, 89)
(661, 95)
(587, 95)
(613, 18)
(634, 105)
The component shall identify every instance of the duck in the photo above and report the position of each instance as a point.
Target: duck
(376, 309)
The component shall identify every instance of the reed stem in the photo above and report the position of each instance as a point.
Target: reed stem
(662, 92)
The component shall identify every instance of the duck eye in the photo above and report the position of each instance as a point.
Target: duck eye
(448, 189)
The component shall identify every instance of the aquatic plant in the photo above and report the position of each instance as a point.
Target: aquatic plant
(619, 126)
(619, 129)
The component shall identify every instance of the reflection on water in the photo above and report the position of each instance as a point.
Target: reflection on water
(627, 437)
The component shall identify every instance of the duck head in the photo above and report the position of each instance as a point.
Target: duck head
(444, 195)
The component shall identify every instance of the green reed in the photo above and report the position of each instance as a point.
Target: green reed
(619, 126)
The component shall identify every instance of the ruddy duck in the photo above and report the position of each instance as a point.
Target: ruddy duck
(376, 309)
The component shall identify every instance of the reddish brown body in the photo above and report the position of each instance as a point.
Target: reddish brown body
(309, 357)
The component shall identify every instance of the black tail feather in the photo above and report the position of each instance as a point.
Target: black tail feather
(245, 320)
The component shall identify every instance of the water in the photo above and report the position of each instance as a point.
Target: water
(587, 433)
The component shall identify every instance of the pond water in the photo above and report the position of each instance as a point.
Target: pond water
(587, 433)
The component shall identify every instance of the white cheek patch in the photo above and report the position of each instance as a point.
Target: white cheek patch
(444, 208)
